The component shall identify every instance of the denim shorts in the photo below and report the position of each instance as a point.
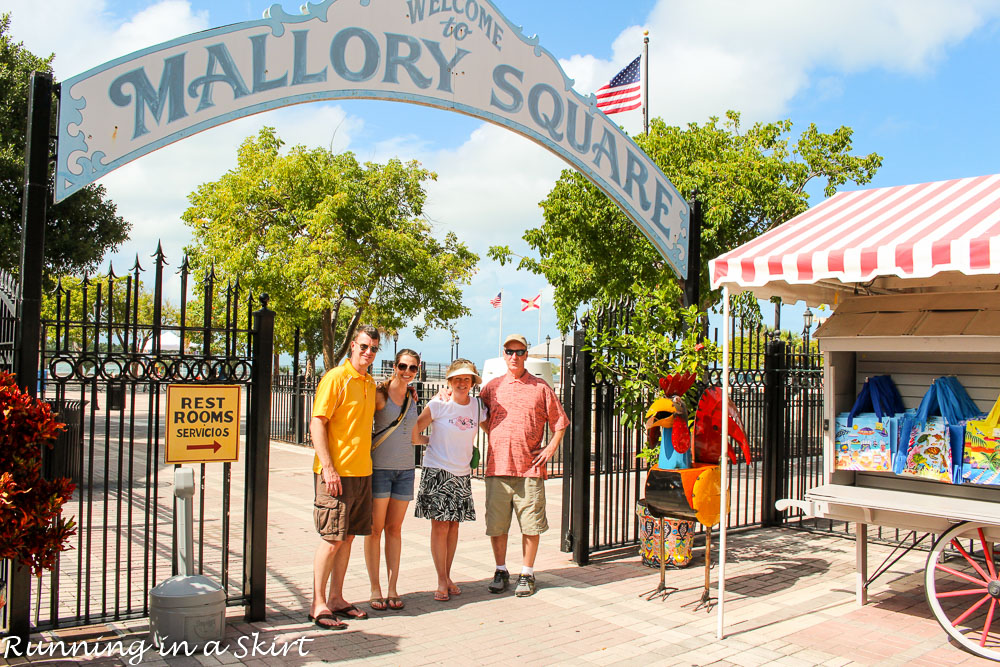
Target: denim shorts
(395, 484)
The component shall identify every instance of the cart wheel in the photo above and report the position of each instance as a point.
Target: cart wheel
(963, 589)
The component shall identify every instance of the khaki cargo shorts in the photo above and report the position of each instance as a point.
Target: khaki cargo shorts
(350, 513)
(525, 496)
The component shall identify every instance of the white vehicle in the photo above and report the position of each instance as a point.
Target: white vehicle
(497, 366)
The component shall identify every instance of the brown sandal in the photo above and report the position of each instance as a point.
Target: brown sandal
(331, 624)
(378, 604)
(395, 603)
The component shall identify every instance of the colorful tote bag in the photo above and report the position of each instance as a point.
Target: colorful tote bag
(937, 432)
(929, 451)
(864, 436)
(981, 453)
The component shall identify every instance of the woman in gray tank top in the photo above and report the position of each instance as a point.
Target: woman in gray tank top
(392, 475)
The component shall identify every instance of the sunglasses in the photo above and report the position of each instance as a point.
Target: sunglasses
(407, 367)
(515, 353)
(365, 348)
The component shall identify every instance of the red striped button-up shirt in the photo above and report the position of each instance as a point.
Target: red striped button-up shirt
(519, 409)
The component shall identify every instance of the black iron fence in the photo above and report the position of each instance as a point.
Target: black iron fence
(292, 402)
(110, 347)
(8, 319)
(777, 388)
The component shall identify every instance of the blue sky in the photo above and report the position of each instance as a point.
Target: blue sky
(916, 81)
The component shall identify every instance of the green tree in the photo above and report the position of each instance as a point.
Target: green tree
(748, 180)
(325, 235)
(660, 339)
(74, 300)
(79, 229)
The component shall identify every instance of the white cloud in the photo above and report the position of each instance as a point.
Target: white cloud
(488, 189)
(707, 57)
(152, 192)
(85, 33)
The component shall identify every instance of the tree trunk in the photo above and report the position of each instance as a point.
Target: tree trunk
(310, 367)
(276, 366)
(333, 353)
(351, 328)
(327, 323)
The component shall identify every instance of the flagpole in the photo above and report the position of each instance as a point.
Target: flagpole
(500, 341)
(645, 82)
(539, 339)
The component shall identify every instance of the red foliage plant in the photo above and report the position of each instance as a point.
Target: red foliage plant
(33, 529)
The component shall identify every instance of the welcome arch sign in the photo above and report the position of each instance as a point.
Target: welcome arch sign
(457, 55)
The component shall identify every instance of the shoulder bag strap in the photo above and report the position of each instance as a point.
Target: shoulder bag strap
(387, 431)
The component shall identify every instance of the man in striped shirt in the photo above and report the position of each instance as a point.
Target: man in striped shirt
(520, 405)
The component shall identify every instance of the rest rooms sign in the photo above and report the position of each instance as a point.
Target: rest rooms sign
(203, 423)
(460, 55)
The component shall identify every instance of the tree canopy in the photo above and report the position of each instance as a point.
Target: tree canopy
(79, 229)
(128, 313)
(330, 238)
(748, 180)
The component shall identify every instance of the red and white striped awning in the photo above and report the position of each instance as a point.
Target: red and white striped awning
(909, 231)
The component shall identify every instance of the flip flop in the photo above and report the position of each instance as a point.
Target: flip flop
(454, 590)
(441, 597)
(346, 613)
(378, 604)
(334, 624)
(395, 603)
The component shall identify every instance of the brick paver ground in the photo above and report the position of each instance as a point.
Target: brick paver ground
(790, 601)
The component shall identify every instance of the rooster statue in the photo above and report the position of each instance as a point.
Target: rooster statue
(684, 486)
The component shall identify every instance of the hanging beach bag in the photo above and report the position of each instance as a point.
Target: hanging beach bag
(862, 440)
(981, 452)
(936, 430)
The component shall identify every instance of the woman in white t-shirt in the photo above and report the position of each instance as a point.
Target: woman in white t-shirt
(445, 495)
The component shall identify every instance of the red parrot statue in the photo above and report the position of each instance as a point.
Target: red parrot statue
(708, 429)
(677, 385)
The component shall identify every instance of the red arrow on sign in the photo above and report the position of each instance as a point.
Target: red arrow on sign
(215, 447)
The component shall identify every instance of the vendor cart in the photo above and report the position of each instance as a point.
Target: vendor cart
(911, 272)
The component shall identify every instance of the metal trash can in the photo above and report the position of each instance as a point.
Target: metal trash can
(188, 609)
(64, 459)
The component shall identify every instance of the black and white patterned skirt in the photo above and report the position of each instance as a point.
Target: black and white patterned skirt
(444, 497)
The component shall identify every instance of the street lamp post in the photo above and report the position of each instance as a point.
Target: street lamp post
(548, 341)
(807, 321)
(395, 340)
(456, 346)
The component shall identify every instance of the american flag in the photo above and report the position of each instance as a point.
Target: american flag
(495, 301)
(623, 92)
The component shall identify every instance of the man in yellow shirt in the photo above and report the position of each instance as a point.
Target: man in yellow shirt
(341, 430)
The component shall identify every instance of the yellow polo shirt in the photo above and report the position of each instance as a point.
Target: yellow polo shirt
(347, 399)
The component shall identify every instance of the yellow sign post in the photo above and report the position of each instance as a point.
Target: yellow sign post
(203, 423)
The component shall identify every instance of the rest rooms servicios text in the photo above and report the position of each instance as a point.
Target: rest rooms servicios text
(203, 410)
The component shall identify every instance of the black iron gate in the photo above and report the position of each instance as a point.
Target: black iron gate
(8, 319)
(109, 350)
(777, 387)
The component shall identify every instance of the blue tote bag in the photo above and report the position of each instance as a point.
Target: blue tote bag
(936, 439)
(864, 436)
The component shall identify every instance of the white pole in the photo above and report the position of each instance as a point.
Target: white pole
(500, 341)
(724, 465)
(645, 83)
(539, 339)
